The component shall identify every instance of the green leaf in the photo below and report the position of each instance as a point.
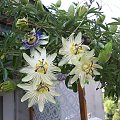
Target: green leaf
(24, 2)
(39, 5)
(74, 87)
(58, 3)
(103, 26)
(71, 11)
(105, 54)
(101, 19)
(113, 28)
(82, 10)
(67, 82)
(5, 74)
(114, 23)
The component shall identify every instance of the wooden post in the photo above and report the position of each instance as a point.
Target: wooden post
(82, 101)
(30, 113)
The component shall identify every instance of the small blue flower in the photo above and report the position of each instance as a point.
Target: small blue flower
(61, 77)
(34, 39)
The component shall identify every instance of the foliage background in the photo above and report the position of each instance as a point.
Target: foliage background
(102, 37)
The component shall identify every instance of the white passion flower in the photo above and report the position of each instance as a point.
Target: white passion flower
(40, 66)
(38, 93)
(85, 69)
(72, 48)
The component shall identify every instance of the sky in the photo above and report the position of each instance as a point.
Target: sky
(111, 8)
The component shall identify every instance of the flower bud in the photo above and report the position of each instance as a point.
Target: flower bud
(24, 2)
(22, 23)
(7, 86)
(71, 11)
(58, 3)
(82, 10)
(101, 19)
(39, 5)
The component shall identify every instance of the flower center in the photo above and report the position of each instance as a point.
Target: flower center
(31, 39)
(88, 68)
(76, 49)
(41, 67)
(42, 88)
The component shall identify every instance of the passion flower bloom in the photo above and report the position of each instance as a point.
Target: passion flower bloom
(34, 39)
(72, 48)
(38, 93)
(40, 66)
(85, 69)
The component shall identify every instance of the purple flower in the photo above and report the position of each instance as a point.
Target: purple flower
(34, 39)
(61, 76)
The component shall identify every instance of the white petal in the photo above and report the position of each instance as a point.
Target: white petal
(96, 72)
(33, 30)
(82, 83)
(64, 60)
(78, 38)
(41, 105)
(24, 86)
(28, 78)
(39, 49)
(98, 66)
(54, 93)
(54, 68)
(50, 98)
(75, 62)
(36, 80)
(43, 42)
(75, 77)
(35, 54)
(22, 48)
(29, 60)
(82, 76)
(86, 47)
(27, 96)
(46, 79)
(71, 38)
(28, 70)
(44, 37)
(32, 52)
(32, 101)
(73, 71)
(63, 40)
(91, 79)
(50, 58)
(43, 53)
(91, 53)
(51, 76)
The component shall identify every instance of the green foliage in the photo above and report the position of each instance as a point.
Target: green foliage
(116, 116)
(57, 23)
(105, 54)
(7, 86)
(109, 106)
(71, 11)
(110, 76)
(58, 3)
(119, 104)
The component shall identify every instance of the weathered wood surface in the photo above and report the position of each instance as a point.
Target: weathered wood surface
(1, 108)
(82, 101)
(11, 108)
(21, 109)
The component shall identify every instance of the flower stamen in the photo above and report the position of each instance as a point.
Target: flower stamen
(42, 88)
(41, 67)
(76, 49)
(88, 68)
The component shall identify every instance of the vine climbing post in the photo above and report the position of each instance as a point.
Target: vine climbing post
(31, 110)
(82, 102)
